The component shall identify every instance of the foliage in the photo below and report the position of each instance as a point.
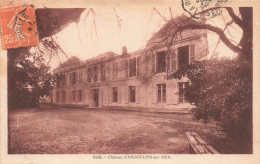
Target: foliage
(30, 80)
(221, 90)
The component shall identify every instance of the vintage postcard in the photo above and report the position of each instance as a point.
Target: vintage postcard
(170, 81)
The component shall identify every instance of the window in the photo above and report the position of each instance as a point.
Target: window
(103, 73)
(80, 95)
(161, 61)
(74, 76)
(114, 94)
(126, 68)
(161, 93)
(131, 93)
(95, 72)
(57, 96)
(63, 96)
(60, 80)
(63, 80)
(182, 87)
(73, 96)
(183, 56)
(115, 70)
(80, 77)
(89, 75)
(132, 67)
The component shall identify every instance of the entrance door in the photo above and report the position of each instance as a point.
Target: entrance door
(95, 97)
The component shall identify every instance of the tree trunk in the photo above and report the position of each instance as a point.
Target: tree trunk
(247, 38)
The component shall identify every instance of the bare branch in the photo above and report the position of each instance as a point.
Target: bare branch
(160, 14)
(217, 30)
(170, 9)
(119, 20)
(78, 34)
(236, 19)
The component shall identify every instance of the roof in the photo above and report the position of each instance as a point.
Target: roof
(69, 64)
(102, 57)
(172, 25)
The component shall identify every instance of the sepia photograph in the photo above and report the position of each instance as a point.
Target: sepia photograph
(129, 81)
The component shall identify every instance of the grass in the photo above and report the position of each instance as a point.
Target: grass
(49, 130)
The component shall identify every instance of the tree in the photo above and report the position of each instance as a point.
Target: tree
(244, 47)
(221, 89)
(29, 77)
(29, 80)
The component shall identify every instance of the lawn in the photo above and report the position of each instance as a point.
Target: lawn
(98, 131)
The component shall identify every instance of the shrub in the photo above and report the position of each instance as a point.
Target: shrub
(221, 90)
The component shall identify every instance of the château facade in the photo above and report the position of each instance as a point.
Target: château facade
(135, 79)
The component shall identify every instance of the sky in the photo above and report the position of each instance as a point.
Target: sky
(101, 32)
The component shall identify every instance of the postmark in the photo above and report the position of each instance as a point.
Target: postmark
(18, 26)
(209, 8)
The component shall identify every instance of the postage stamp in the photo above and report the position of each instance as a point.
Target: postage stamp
(18, 27)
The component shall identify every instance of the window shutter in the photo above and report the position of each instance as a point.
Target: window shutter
(168, 62)
(138, 65)
(137, 94)
(116, 70)
(80, 77)
(126, 94)
(65, 80)
(192, 53)
(154, 93)
(87, 98)
(83, 95)
(90, 97)
(76, 78)
(100, 98)
(68, 97)
(76, 96)
(173, 60)
(169, 93)
(118, 95)
(71, 96)
(65, 98)
(111, 95)
(153, 63)
(126, 68)
(69, 77)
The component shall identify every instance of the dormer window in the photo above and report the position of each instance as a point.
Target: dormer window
(115, 70)
(95, 72)
(60, 80)
(161, 61)
(74, 76)
(102, 73)
(89, 75)
(132, 67)
(183, 56)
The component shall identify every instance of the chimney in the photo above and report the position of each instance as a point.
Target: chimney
(202, 16)
(124, 51)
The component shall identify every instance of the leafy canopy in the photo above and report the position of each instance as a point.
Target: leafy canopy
(221, 90)
(31, 81)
